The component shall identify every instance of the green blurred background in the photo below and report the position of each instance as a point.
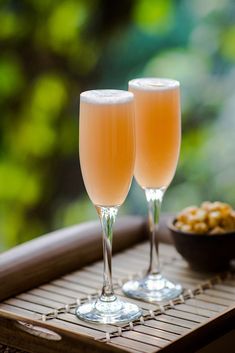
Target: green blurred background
(51, 50)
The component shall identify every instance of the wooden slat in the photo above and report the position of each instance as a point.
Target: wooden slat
(124, 264)
(70, 327)
(230, 282)
(185, 315)
(97, 270)
(51, 304)
(220, 294)
(36, 308)
(168, 326)
(179, 321)
(184, 272)
(215, 300)
(140, 337)
(225, 288)
(186, 281)
(156, 332)
(118, 272)
(142, 347)
(53, 296)
(164, 260)
(196, 302)
(6, 310)
(118, 346)
(80, 288)
(195, 310)
(84, 275)
(73, 319)
(142, 255)
(166, 249)
(167, 253)
(64, 291)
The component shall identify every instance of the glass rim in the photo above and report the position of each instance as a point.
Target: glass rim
(153, 84)
(106, 96)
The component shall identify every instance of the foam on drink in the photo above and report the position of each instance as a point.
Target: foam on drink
(152, 83)
(106, 96)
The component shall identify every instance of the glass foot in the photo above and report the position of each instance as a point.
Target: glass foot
(106, 312)
(152, 288)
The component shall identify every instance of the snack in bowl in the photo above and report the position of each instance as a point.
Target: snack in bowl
(205, 235)
(210, 218)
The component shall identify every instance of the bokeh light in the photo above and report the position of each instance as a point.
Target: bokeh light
(52, 50)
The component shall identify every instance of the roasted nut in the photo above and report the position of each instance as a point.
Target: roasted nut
(186, 228)
(228, 223)
(214, 219)
(191, 209)
(218, 206)
(200, 228)
(201, 215)
(217, 230)
(182, 217)
(206, 205)
(178, 224)
(210, 218)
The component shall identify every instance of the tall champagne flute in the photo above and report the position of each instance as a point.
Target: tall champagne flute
(107, 156)
(158, 136)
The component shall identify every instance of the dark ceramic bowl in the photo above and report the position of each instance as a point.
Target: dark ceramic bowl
(202, 251)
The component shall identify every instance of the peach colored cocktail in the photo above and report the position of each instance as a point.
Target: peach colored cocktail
(107, 147)
(158, 131)
(158, 135)
(107, 157)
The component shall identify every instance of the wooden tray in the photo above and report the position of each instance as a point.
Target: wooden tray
(42, 319)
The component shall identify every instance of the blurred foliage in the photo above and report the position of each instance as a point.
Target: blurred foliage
(51, 50)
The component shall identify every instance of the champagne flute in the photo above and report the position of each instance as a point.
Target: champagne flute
(158, 136)
(107, 156)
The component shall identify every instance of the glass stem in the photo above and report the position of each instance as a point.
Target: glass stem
(107, 218)
(154, 198)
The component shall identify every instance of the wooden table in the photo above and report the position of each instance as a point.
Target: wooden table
(42, 281)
